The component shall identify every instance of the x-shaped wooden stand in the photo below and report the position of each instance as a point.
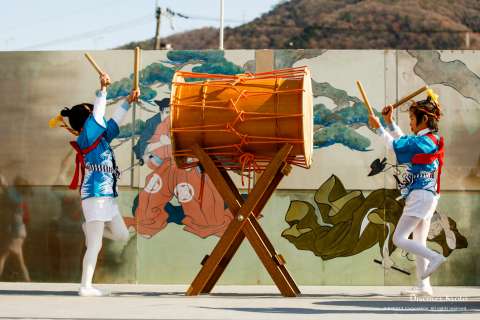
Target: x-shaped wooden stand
(244, 224)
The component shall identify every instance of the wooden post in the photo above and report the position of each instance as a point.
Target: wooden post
(158, 14)
(136, 67)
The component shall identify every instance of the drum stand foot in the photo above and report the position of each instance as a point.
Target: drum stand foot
(245, 224)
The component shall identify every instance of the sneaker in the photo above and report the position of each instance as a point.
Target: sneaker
(433, 265)
(418, 292)
(92, 292)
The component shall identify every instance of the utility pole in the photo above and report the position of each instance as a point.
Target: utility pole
(220, 47)
(467, 40)
(158, 14)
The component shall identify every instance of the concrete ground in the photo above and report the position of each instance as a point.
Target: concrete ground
(60, 301)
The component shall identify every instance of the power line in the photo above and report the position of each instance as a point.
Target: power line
(113, 28)
(54, 18)
(90, 34)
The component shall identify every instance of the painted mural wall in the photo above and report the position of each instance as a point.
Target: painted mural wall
(333, 223)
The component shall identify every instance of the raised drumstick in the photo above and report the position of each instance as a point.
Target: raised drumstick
(136, 65)
(410, 96)
(364, 96)
(94, 64)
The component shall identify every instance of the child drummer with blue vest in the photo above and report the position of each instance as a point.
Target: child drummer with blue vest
(422, 153)
(97, 173)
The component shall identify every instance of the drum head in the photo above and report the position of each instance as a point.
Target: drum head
(177, 78)
(307, 117)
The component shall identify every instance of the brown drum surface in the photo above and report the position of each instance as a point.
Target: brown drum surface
(242, 119)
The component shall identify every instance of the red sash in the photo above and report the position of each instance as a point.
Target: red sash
(80, 161)
(427, 158)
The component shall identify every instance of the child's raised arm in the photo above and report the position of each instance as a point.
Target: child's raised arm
(121, 110)
(377, 126)
(395, 130)
(100, 103)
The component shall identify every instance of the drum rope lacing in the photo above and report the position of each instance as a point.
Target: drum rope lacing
(232, 156)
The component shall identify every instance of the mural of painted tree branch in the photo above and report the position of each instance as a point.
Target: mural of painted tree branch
(202, 213)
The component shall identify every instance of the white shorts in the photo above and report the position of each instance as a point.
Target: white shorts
(420, 204)
(100, 208)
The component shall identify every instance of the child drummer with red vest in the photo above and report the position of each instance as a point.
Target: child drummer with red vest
(97, 174)
(422, 153)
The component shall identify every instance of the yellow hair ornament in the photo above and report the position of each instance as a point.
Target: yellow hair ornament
(432, 95)
(52, 123)
(58, 121)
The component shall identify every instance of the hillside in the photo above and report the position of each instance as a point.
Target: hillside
(347, 24)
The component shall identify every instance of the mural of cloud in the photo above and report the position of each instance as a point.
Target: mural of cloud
(340, 97)
(455, 74)
(287, 58)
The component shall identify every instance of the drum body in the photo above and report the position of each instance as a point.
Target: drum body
(242, 116)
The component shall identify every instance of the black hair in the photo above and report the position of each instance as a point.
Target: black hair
(77, 115)
(163, 104)
(428, 108)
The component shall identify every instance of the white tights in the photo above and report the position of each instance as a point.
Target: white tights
(94, 232)
(418, 246)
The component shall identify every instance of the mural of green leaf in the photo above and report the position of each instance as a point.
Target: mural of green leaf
(352, 223)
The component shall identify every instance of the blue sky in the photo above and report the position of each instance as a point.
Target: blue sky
(103, 24)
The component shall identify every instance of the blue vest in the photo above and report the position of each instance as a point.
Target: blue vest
(101, 171)
(418, 176)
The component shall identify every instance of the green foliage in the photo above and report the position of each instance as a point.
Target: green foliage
(119, 89)
(223, 67)
(339, 133)
(126, 130)
(154, 73)
(356, 115)
(185, 56)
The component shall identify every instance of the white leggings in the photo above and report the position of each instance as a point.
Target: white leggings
(94, 232)
(418, 246)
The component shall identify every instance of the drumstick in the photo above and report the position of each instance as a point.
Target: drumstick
(393, 267)
(410, 96)
(136, 65)
(94, 64)
(365, 99)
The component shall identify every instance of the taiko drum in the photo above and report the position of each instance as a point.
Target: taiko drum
(242, 119)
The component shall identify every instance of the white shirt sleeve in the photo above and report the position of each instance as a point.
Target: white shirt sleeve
(99, 107)
(121, 112)
(395, 130)
(386, 137)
